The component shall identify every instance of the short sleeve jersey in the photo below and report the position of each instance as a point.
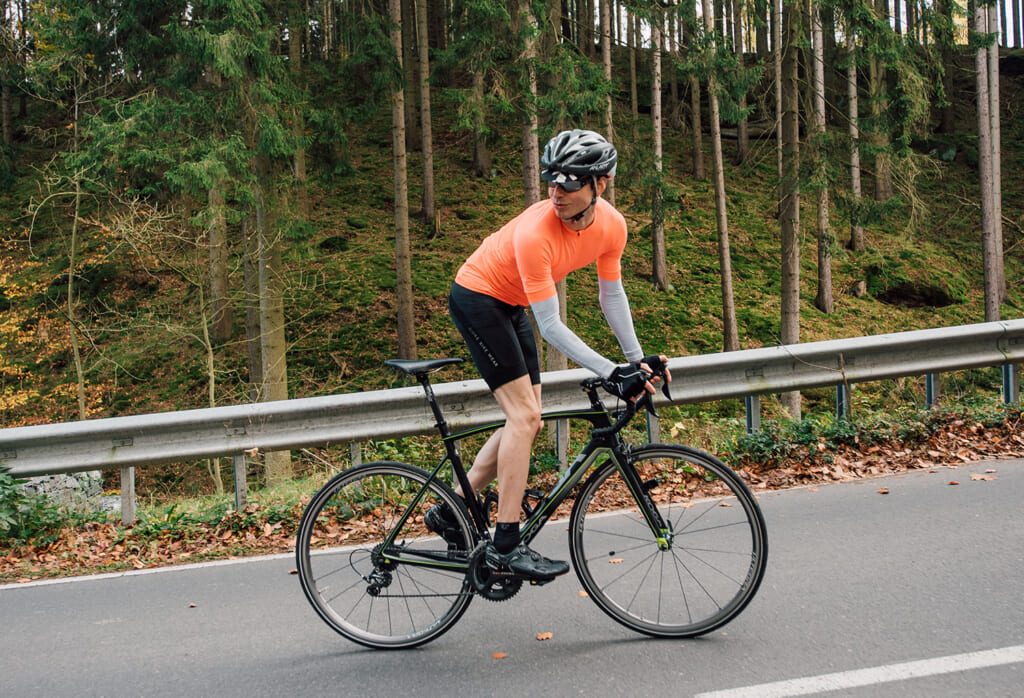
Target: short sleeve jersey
(521, 263)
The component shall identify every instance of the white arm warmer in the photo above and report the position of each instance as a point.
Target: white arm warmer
(565, 340)
(615, 306)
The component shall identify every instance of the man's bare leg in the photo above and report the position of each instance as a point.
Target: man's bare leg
(519, 397)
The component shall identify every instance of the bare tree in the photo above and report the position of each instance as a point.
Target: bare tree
(403, 257)
(606, 57)
(857, 243)
(426, 125)
(997, 169)
(659, 272)
(985, 172)
(789, 188)
(823, 300)
(730, 333)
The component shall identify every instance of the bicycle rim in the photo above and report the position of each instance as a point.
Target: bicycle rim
(716, 553)
(365, 590)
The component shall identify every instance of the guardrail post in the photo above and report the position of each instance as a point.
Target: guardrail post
(562, 442)
(752, 407)
(128, 495)
(932, 390)
(653, 429)
(241, 488)
(1011, 387)
(355, 452)
(842, 402)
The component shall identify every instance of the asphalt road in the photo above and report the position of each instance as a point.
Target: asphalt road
(912, 593)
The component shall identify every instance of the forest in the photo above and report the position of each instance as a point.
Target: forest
(212, 202)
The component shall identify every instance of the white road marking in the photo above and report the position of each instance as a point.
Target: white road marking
(875, 675)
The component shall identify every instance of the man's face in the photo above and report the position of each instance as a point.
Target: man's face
(570, 203)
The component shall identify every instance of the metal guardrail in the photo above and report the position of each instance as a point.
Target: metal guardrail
(120, 442)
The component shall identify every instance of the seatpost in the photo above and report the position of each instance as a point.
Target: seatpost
(441, 425)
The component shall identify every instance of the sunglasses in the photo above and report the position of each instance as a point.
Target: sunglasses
(562, 180)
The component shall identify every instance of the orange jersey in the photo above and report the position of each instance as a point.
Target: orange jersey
(521, 263)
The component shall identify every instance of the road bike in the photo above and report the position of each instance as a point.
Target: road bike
(665, 539)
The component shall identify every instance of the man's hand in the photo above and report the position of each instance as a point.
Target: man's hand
(657, 364)
(628, 382)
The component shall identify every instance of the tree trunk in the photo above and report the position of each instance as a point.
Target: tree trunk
(298, 118)
(426, 125)
(606, 57)
(857, 242)
(944, 40)
(880, 105)
(531, 146)
(250, 265)
(221, 317)
(730, 334)
(779, 53)
(742, 133)
(632, 41)
(997, 148)
(823, 300)
(659, 272)
(697, 128)
(5, 114)
(481, 154)
(273, 344)
(988, 243)
(789, 190)
(403, 257)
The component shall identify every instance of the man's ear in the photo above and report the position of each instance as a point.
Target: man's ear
(600, 184)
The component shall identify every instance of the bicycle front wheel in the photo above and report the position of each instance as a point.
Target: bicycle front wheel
(701, 574)
(370, 567)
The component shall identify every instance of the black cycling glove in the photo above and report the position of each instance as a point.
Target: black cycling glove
(627, 382)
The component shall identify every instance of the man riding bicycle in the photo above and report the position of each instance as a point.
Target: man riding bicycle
(516, 267)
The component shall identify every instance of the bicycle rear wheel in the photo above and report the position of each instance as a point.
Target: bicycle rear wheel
(378, 593)
(710, 564)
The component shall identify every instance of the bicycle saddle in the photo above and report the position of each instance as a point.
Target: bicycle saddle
(414, 367)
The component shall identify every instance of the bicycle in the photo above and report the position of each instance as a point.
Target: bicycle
(684, 559)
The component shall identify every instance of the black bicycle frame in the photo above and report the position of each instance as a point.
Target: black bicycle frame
(604, 441)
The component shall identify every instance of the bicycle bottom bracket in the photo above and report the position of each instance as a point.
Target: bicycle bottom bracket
(491, 585)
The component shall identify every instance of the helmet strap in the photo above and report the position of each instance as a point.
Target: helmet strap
(593, 202)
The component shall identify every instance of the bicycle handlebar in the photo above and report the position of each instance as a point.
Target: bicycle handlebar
(646, 399)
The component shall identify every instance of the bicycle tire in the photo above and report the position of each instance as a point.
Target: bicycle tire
(716, 553)
(361, 590)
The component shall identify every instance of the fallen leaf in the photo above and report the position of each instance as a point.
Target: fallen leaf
(615, 560)
(953, 482)
(883, 491)
(545, 636)
(293, 570)
(191, 605)
(724, 504)
(987, 478)
(499, 655)
(584, 594)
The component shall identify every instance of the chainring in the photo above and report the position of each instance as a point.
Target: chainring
(491, 585)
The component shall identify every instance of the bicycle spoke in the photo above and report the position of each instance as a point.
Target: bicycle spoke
(684, 582)
(403, 595)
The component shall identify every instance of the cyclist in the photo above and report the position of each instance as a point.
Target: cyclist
(516, 267)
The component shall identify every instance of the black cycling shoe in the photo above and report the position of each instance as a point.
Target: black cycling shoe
(525, 563)
(441, 520)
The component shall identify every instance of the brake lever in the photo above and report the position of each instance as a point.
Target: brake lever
(648, 402)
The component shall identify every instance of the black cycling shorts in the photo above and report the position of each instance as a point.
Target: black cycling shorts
(499, 336)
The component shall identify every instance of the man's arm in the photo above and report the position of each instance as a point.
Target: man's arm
(615, 306)
(559, 336)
